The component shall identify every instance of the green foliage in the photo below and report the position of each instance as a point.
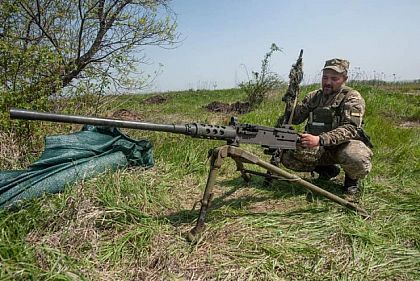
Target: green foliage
(96, 39)
(23, 82)
(262, 82)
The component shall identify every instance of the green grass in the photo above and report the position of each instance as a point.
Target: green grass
(131, 225)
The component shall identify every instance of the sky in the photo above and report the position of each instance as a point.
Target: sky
(223, 41)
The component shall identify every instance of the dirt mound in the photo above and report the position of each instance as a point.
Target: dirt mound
(403, 122)
(237, 107)
(410, 122)
(157, 99)
(125, 114)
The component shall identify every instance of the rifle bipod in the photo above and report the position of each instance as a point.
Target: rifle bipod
(240, 157)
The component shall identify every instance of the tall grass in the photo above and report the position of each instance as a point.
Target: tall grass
(131, 225)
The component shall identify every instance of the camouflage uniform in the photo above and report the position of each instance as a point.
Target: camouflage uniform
(337, 120)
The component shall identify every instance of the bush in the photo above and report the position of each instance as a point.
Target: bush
(262, 82)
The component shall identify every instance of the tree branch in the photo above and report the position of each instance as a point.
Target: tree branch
(37, 20)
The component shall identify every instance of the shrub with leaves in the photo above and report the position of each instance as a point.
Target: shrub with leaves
(262, 82)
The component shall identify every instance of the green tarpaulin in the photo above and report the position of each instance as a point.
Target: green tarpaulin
(70, 158)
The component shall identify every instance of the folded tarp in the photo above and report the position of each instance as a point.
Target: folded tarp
(70, 158)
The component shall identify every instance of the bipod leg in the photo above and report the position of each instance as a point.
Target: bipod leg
(250, 158)
(240, 167)
(216, 160)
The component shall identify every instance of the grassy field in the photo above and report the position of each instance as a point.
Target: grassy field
(132, 224)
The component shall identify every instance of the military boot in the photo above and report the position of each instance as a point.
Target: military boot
(351, 186)
(327, 172)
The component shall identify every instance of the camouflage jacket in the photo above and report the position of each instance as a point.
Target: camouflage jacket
(350, 110)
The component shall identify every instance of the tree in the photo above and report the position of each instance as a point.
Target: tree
(49, 44)
(85, 46)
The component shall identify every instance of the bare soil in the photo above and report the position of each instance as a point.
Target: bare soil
(157, 99)
(237, 107)
(125, 114)
(405, 122)
(410, 123)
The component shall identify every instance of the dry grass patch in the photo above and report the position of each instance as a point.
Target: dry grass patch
(11, 151)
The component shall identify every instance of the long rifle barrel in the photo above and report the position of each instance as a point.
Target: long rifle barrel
(74, 119)
(192, 129)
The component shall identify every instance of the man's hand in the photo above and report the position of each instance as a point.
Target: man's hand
(309, 141)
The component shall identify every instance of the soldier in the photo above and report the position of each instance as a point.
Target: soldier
(333, 133)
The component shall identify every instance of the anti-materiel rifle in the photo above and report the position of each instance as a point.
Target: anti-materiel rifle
(235, 133)
(272, 139)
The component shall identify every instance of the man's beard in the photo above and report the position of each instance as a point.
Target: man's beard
(327, 90)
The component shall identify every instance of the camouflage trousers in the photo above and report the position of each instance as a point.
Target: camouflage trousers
(354, 157)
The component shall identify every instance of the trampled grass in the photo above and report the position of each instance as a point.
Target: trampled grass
(132, 224)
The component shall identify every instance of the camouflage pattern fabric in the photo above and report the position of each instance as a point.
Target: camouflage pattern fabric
(340, 145)
(350, 111)
(338, 65)
(353, 156)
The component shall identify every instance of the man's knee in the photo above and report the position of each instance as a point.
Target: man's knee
(355, 159)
